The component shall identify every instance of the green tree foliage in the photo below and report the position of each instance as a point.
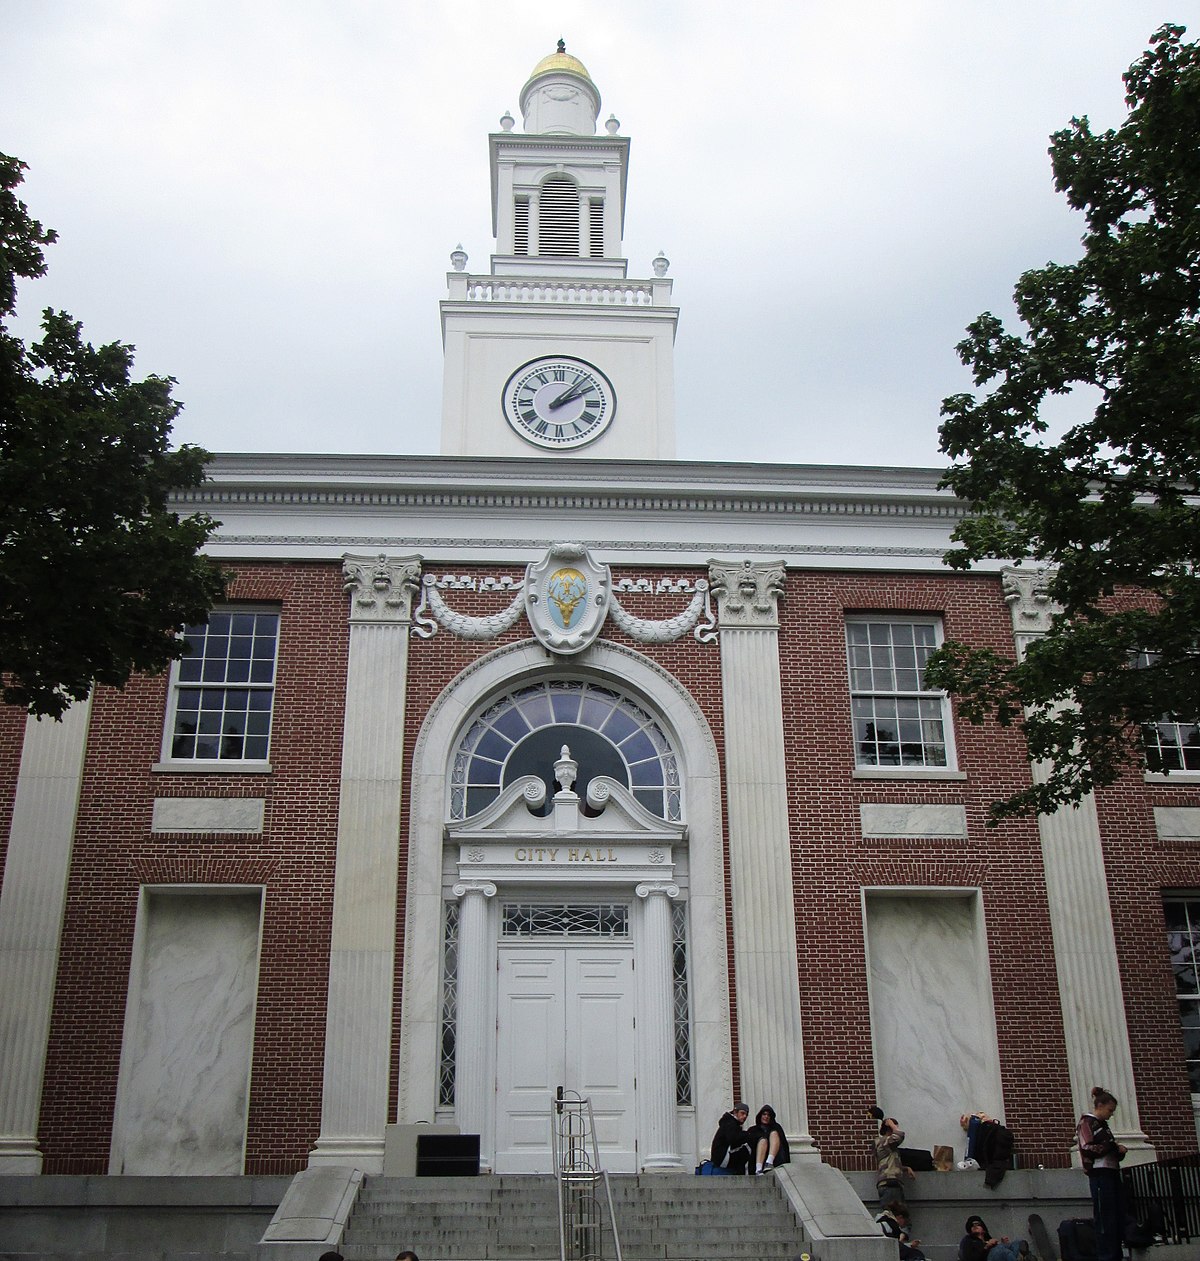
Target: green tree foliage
(1111, 509)
(97, 575)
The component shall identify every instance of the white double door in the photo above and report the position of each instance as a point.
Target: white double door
(566, 1017)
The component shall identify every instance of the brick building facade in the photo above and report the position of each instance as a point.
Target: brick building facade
(554, 761)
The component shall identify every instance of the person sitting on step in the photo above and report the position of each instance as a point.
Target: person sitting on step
(769, 1141)
(731, 1144)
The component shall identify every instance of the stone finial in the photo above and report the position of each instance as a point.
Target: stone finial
(507, 121)
(612, 124)
(565, 770)
(660, 264)
(458, 257)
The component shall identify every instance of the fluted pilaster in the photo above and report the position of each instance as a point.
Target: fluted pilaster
(362, 948)
(764, 928)
(657, 1035)
(1085, 949)
(32, 905)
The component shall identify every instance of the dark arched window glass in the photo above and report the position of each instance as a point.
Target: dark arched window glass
(523, 734)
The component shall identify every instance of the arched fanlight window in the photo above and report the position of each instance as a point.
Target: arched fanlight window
(558, 218)
(523, 734)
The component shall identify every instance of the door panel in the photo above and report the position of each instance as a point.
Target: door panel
(529, 1060)
(599, 1061)
(565, 1016)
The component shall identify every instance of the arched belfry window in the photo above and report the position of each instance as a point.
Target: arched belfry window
(558, 218)
(523, 732)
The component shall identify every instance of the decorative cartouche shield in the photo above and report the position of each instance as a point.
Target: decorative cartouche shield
(566, 597)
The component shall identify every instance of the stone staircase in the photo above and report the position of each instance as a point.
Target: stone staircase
(661, 1217)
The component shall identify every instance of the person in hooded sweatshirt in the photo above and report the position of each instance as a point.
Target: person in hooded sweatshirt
(768, 1140)
(731, 1148)
(978, 1245)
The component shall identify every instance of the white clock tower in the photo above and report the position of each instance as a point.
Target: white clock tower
(556, 351)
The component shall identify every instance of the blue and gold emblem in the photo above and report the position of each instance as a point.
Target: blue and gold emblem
(566, 597)
(566, 592)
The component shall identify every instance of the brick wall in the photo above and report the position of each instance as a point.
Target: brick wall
(12, 739)
(832, 863)
(294, 857)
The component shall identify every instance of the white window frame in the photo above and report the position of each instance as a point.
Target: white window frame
(1181, 956)
(171, 762)
(1167, 723)
(869, 769)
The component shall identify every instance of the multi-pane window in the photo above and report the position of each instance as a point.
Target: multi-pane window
(1173, 742)
(223, 688)
(1183, 943)
(1172, 745)
(898, 721)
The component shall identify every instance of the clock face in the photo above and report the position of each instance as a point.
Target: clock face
(559, 402)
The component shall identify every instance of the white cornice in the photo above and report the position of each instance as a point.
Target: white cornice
(459, 509)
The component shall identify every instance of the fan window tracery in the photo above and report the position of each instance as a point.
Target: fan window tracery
(523, 733)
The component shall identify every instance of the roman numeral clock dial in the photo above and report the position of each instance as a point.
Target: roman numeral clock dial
(559, 403)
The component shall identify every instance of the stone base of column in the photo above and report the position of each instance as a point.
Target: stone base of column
(364, 1153)
(663, 1162)
(19, 1155)
(803, 1149)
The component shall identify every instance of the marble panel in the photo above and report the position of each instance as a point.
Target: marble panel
(185, 1065)
(912, 820)
(931, 1015)
(207, 814)
(1177, 823)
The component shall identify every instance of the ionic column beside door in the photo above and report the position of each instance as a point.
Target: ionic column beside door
(473, 1070)
(656, 1045)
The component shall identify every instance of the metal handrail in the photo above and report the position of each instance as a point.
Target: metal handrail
(577, 1170)
(1165, 1195)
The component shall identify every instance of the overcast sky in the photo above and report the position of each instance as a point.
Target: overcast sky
(262, 195)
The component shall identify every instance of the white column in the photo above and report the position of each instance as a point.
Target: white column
(767, 980)
(362, 950)
(476, 973)
(656, 1041)
(32, 906)
(1085, 949)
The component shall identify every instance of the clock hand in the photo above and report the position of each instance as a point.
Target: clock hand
(568, 394)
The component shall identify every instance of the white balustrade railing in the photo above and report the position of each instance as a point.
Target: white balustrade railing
(623, 293)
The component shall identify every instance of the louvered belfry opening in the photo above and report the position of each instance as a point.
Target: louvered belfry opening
(558, 218)
(521, 226)
(596, 227)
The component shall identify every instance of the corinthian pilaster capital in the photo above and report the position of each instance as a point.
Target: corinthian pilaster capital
(381, 588)
(747, 592)
(1028, 594)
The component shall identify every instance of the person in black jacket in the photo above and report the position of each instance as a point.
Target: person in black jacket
(731, 1144)
(769, 1141)
(978, 1245)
